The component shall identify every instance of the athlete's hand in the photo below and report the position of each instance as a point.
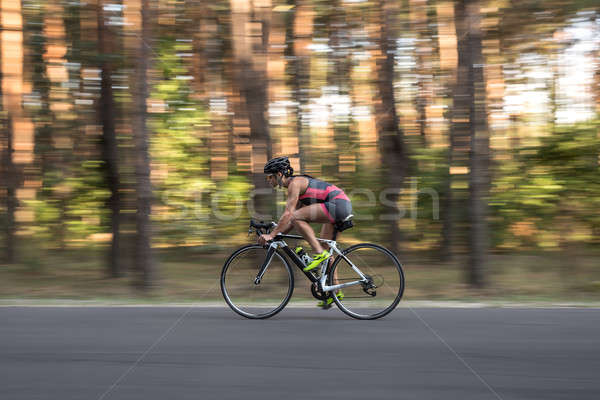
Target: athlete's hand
(263, 239)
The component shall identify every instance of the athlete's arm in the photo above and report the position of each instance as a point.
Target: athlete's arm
(299, 205)
(285, 224)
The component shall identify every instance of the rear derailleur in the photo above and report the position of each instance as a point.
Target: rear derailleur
(369, 287)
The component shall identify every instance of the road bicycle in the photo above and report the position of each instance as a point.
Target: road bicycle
(365, 280)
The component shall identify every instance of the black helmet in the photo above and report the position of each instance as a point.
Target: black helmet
(279, 164)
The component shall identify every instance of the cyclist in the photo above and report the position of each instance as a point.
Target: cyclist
(308, 200)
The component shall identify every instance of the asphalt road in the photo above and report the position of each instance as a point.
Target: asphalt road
(211, 353)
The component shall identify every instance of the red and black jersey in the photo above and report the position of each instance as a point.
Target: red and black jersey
(319, 191)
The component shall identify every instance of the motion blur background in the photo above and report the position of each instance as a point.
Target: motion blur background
(134, 133)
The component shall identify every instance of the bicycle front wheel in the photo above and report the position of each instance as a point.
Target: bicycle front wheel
(262, 300)
(385, 286)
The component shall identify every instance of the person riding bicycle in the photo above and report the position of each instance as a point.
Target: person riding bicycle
(308, 200)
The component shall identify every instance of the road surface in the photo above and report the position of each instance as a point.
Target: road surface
(175, 353)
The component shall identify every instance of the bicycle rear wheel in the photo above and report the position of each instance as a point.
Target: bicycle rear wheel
(252, 300)
(381, 294)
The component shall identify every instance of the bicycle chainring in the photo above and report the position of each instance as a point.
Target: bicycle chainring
(317, 293)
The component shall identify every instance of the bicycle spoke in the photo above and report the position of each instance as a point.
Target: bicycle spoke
(256, 300)
(383, 291)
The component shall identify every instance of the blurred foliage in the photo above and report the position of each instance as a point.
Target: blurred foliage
(549, 193)
(178, 149)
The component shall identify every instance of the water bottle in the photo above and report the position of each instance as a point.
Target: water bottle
(303, 256)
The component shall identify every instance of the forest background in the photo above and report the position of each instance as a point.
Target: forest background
(134, 133)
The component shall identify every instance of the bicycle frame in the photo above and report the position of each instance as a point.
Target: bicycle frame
(278, 242)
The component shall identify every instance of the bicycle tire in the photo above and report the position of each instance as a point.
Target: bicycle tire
(394, 290)
(246, 280)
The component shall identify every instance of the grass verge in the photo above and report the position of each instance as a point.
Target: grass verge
(192, 276)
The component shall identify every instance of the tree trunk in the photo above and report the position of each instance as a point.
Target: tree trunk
(300, 37)
(339, 77)
(11, 89)
(144, 261)
(109, 141)
(468, 32)
(446, 46)
(391, 136)
(249, 35)
(454, 200)
(447, 209)
(10, 180)
(420, 26)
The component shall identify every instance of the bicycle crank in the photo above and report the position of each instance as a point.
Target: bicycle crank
(318, 293)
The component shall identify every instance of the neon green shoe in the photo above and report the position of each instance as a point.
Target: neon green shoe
(318, 259)
(327, 304)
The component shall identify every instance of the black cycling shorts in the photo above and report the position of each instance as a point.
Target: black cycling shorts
(337, 209)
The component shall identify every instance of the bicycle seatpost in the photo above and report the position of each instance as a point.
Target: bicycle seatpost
(335, 233)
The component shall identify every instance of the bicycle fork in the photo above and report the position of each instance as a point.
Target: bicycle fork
(265, 265)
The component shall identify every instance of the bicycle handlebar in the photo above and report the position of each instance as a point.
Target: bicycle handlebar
(261, 227)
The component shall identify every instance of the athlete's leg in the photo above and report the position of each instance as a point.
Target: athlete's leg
(301, 218)
(327, 231)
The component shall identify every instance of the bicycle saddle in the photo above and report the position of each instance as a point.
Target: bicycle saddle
(346, 223)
